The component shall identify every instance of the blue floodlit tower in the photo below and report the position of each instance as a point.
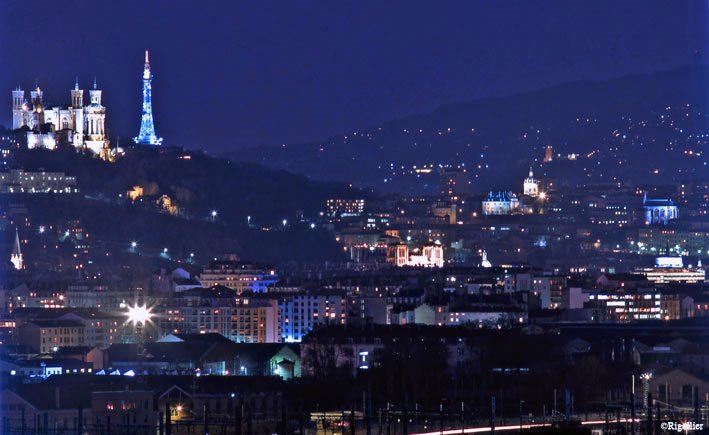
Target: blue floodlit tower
(147, 134)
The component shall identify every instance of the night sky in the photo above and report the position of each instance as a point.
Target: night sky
(236, 74)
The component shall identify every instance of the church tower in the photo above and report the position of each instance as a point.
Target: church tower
(147, 135)
(37, 108)
(77, 96)
(16, 256)
(95, 122)
(77, 114)
(18, 108)
(531, 185)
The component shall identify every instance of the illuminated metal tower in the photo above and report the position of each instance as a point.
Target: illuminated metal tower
(147, 134)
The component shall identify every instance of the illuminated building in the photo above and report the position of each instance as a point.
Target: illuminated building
(100, 329)
(217, 310)
(432, 256)
(147, 135)
(398, 254)
(182, 317)
(46, 336)
(344, 207)
(16, 256)
(46, 299)
(652, 240)
(79, 125)
(531, 185)
(135, 193)
(19, 181)
(167, 204)
(256, 321)
(659, 211)
(485, 262)
(300, 313)
(625, 305)
(94, 328)
(500, 203)
(238, 276)
(428, 256)
(671, 269)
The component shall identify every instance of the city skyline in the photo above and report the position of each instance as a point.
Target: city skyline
(531, 263)
(319, 82)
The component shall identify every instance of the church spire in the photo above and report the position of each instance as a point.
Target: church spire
(531, 173)
(147, 59)
(16, 256)
(16, 247)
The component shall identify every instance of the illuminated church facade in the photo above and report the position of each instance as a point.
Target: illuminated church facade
(659, 211)
(83, 126)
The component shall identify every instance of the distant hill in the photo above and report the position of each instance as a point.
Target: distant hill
(197, 184)
(641, 121)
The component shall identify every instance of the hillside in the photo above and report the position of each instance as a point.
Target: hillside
(197, 184)
(618, 130)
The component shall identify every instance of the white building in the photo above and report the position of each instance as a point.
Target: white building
(500, 203)
(531, 185)
(659, 211)
(672, 269)
(16, 256)
(19, 181)
(428, 256)
(82, 126)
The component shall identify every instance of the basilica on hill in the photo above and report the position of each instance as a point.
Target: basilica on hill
(78, 125)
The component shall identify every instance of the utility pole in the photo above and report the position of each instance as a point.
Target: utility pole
(492, 415)
(520, 415)
(168, 419)
(632, 407)
(440, 415)
(650, 427)
(206, 419)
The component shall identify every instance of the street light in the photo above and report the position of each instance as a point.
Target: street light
(285, 222)
(133, 244)
(139, 314)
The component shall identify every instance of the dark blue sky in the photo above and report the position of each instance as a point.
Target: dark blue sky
(234, 74)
